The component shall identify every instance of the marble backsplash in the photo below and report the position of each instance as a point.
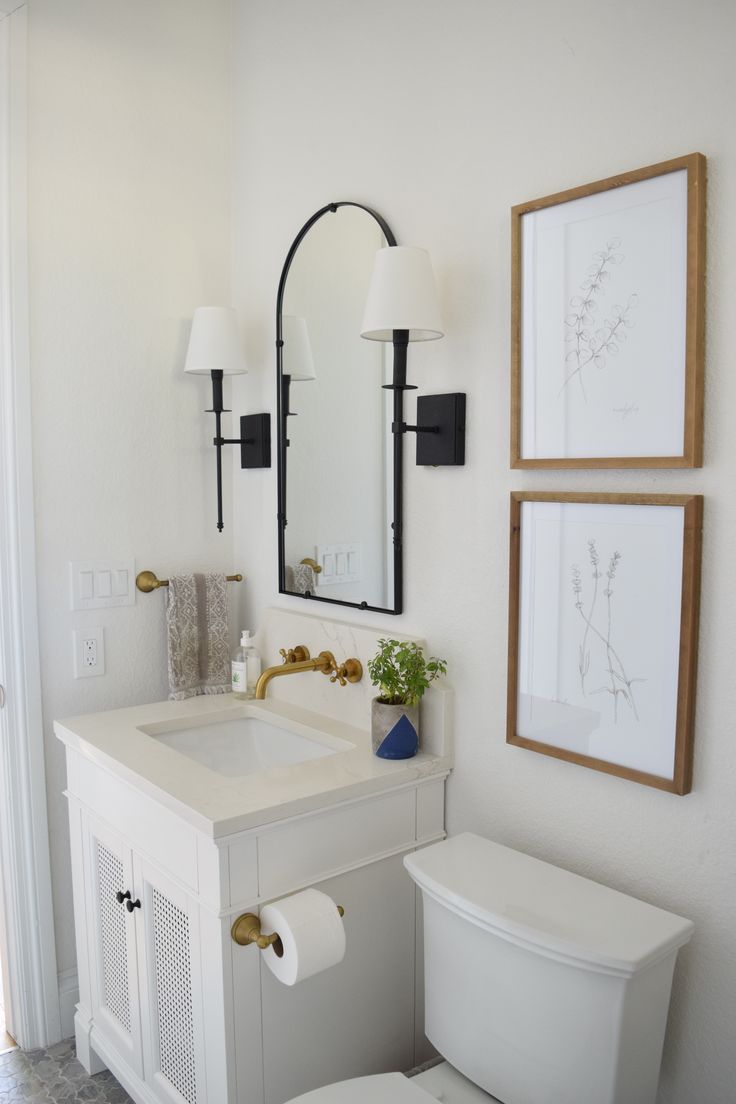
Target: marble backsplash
(283, 628)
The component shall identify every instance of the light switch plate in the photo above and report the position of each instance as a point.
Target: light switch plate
(95, 584)
(340, 563)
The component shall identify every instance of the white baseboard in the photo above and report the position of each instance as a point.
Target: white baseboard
(68, 1000)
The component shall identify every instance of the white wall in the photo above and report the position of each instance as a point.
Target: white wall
(441, 116)
(129, 168)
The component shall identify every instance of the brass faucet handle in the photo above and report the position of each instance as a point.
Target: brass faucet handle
(338, 675)
(295, 655)
(353, 670)
(349, 671)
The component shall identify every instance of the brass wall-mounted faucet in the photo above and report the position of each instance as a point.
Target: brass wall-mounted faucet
(297, 659)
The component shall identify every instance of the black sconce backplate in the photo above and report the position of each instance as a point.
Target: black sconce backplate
(447, 444)
(255, 441)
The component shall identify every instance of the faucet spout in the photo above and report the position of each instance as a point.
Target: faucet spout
(322, 663)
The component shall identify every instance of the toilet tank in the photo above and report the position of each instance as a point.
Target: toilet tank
(541, 986)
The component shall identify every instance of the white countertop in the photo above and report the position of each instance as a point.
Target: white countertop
(218, 805)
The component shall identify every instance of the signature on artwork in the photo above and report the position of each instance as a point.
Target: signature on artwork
(626, 411)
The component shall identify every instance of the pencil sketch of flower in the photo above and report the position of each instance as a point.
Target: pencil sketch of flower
(577, 586)
(598, 620)
(591, 344)
(583, 655)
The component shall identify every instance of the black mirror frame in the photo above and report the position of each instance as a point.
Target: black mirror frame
(398, 387)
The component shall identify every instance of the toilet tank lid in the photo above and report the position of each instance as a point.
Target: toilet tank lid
(545, 908)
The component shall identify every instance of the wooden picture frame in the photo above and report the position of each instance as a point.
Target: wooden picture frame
(622, 258)
(576, 640)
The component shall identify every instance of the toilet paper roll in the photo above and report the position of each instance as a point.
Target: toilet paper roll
(311, 932)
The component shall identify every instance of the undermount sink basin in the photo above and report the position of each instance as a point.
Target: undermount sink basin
(242, 745)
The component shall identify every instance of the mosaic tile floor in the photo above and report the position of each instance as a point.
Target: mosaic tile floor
(54, 1076)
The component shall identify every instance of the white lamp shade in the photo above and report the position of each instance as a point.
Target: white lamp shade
(214, 343)
(402, 296)
(298, 361)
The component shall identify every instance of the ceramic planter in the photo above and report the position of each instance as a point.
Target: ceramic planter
(395, 730)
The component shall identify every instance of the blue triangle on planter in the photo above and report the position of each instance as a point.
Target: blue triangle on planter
(400, 742)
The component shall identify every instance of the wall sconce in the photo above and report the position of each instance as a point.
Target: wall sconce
(215, 350)
(298, 362)
(402, 306)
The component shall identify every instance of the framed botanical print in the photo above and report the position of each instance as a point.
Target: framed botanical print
(608, 320)
(603, 624)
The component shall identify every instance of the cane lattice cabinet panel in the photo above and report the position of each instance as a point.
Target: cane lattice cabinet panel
(112, 951)
(173, 979)
(172, 999)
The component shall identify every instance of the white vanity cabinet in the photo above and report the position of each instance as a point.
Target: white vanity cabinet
(173, 1006)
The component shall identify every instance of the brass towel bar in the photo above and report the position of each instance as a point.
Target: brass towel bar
(147, 581)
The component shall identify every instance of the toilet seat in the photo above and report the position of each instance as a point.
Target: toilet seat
(381, 1088)
(439, 1083)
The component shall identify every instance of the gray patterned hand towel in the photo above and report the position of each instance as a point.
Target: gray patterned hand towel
(196, 624)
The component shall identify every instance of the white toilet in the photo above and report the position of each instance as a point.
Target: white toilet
(541, 987)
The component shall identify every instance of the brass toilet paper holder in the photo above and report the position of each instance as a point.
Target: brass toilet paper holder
(247, 930)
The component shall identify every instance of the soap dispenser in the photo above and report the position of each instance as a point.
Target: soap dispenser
(245, 668)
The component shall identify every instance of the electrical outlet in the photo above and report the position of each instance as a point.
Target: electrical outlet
(89, 651)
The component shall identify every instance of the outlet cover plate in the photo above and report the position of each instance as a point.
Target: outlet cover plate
(89, 643)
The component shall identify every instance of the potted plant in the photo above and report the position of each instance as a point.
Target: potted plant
(402, 673)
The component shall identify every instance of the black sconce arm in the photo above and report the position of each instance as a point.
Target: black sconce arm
(440, 425)
(402, 427)
(254, 440)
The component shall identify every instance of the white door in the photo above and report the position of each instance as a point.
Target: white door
(171, 988)
(111, 910)
(25, 880)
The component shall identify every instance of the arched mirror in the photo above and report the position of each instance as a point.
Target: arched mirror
(339, 480)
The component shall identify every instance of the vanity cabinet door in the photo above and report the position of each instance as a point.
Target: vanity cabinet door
(171, 988)
(112, 938)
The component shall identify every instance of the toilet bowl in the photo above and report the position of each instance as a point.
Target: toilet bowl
(541, 987)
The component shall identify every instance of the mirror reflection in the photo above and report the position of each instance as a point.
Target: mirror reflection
(336, 453)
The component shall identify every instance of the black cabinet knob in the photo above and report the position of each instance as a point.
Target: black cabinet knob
(130, 905)
(120, 896)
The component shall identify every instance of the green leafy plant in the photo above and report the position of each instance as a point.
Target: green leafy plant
(401, 672)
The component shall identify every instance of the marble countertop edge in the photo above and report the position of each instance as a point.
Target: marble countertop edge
(218, 806)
